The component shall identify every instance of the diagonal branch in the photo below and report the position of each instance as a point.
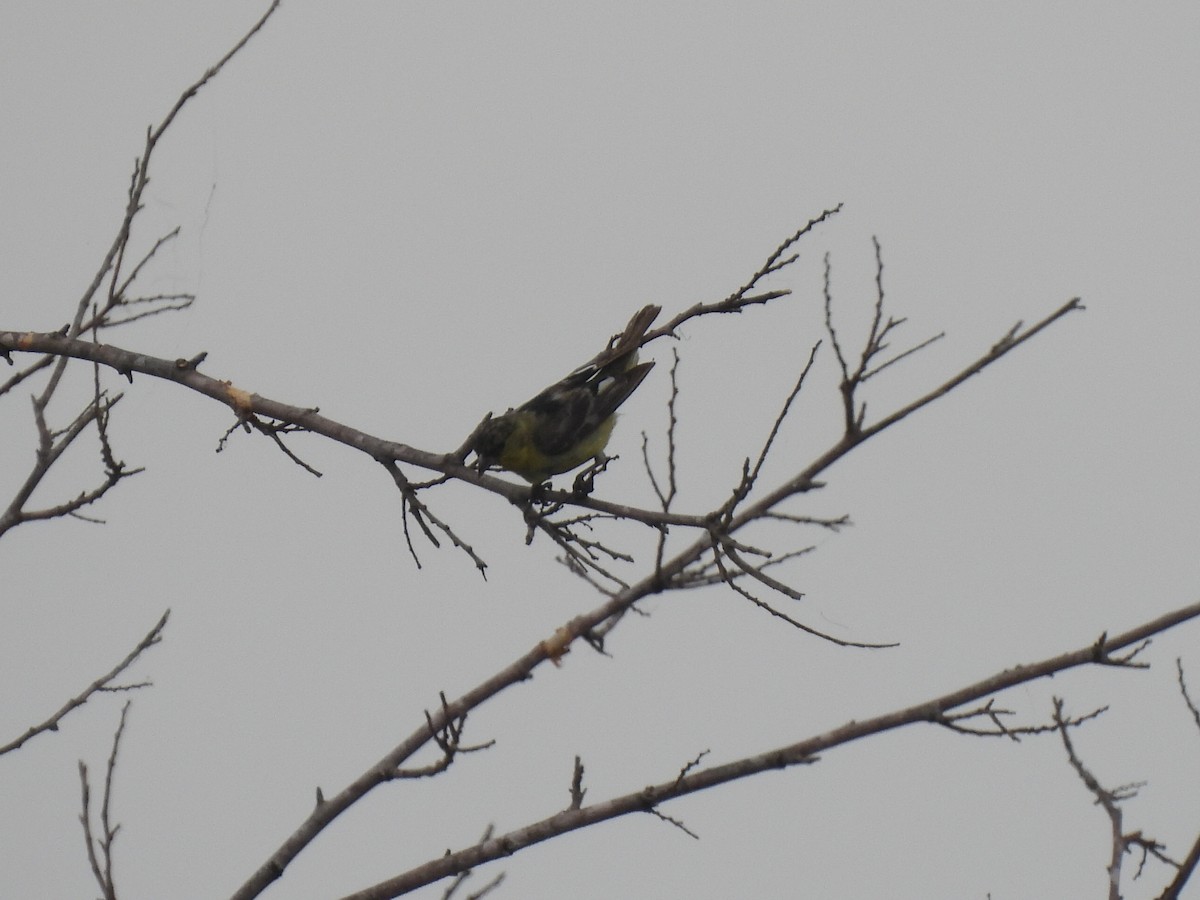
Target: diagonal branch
(742, 297)
(805, 480)
(803, 752)
(102, 684)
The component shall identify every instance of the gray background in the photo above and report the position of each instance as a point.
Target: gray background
(409, 214)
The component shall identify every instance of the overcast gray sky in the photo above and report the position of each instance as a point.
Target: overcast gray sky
(410, 214)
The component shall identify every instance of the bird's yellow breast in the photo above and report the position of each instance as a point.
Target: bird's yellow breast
(521, 455)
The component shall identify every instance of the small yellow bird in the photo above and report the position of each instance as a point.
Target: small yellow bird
(569, 422)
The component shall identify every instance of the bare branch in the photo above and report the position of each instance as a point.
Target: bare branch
(1013, 340)
(51, 448)
(805, 480)
(787, 405)
(421, 512)
(742, 298)
(449, 740)
(776, 261)
(100, 849)
(461, 878)
(854, 412)
(92, 844)
(118, 285)
(724, 546)
(141, 264)
(1174, 890)
(871, 373)
(244, 403)
(1106, 799)
(28, 372)
(670, 820)
(102, 684)
(953, 722)
(111, 264)
(577, 789)
(1187, 699)
(667, 497)
(804, 752)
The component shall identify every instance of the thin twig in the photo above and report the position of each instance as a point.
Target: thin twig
(100, 849)
(102, 684)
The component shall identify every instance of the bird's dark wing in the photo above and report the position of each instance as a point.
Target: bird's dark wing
(569, 411)
(562, 415)
(618, 388)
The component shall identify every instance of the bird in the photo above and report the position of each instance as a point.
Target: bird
(571, 421)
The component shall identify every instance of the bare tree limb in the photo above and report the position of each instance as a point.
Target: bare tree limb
(460, 879)
(100, 849)
(1174, 890)
(1187, 698)
(1109, 800)
(802, 752)
(51, 448)
(101, 685)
